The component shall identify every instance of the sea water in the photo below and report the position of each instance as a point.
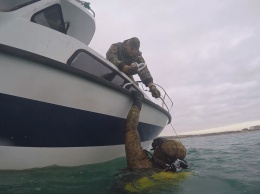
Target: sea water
(220, 164)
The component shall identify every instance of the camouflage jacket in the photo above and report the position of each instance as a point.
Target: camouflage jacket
(119, 57)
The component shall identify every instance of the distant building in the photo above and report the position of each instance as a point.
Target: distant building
(245, 129)
(257, 127)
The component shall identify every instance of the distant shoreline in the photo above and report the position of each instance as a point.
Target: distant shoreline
(218, 133)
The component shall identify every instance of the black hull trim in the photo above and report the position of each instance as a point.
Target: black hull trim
(30, 123)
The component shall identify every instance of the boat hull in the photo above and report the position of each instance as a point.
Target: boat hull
(20, 158)
(51, 117)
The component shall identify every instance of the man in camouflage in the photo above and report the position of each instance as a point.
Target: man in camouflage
(124, 55)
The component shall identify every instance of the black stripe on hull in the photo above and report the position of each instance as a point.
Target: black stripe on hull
(30, 123)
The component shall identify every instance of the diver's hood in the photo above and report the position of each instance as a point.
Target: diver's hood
(168, 150)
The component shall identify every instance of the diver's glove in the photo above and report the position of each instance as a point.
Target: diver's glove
(155, 92)
(130, 70)
(138, 98)
(184, 164)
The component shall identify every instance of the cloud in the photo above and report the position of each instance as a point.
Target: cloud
(204, 53)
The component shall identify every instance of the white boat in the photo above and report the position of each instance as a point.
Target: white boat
(57, 105)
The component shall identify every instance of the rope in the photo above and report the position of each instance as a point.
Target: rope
(177, 136)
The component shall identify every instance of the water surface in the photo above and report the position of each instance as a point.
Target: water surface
(221, 164)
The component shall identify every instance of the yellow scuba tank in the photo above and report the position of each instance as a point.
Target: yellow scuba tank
(155, 180)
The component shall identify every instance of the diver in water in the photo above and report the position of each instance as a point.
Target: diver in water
(168, 154)
(146, 171)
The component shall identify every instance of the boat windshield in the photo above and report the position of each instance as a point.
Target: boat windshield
(11, 5)
(50, 17)
(90, 64)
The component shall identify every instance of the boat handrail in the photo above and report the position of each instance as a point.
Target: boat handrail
(162, 97)
(86, 5)
(140, 66)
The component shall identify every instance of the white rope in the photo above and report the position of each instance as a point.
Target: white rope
(177, 136)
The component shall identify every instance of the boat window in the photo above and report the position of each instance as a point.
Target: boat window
(87, 63)
(11, 5)
(50, 17)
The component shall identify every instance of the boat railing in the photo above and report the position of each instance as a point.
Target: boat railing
(86, 5)
(167, 102)
(164, 98)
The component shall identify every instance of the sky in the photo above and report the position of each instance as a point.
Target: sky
(205, 54)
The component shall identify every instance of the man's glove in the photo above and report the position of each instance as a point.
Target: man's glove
(155, 92)
(130, 70)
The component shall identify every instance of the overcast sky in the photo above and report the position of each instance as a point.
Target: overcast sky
(206, 54)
